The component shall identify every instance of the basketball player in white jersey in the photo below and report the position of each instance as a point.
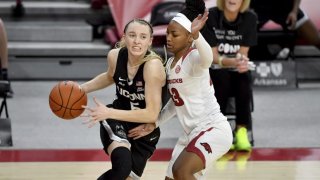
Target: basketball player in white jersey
(207, 133)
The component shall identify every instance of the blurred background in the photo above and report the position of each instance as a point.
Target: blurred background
(54, 40)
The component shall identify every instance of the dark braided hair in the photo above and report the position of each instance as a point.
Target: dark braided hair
(193, 9)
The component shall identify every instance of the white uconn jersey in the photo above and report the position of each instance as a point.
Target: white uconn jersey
(193, 95)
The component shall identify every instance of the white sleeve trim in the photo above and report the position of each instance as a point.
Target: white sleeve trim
(168, 112)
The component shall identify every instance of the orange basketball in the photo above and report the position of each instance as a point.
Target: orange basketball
(66, 99)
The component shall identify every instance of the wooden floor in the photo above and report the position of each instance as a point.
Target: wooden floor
(155, 170)
(260, 164)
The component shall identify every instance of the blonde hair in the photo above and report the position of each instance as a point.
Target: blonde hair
(244, 7)
(150, 53)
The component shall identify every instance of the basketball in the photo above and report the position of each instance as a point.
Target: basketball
(66, 99)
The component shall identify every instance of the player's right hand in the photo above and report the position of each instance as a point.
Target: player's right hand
(141, 130)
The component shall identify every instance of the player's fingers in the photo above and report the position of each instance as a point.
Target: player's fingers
(133, 134)
(91, 124)
(132, 131)
(136, 129)
(87, 108)
(205, 15)
(86, 121)
(97, 102)
(137, 137)
(137, 132)
(90, 118)
(85, 115)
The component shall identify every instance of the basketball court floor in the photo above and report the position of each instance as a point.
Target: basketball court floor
(286, 133)
(262, 164)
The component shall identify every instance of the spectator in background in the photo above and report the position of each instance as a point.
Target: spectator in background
(287, 14)
(4, 55)
(231, 31)
(139, 76)
(18, 9)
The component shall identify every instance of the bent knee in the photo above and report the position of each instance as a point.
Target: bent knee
(181, 173)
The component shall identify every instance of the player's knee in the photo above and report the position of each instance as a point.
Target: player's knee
(180, 172)
(181, 175)
(121, 162)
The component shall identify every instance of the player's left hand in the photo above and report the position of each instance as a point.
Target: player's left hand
(95, 114)
(141, 130)
(198, 23)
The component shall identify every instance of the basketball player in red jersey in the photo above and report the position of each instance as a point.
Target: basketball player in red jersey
(207, 133)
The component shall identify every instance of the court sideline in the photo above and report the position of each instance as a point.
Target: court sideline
(285, 127)
(282, 118)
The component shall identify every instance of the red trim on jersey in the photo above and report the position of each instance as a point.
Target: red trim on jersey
(185, 55)
(192, 148)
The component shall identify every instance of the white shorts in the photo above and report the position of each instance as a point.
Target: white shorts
(209, 143)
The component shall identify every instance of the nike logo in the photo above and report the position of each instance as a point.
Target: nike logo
(120, 79)
(153, 138)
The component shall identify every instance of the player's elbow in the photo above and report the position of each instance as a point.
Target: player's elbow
(153, 117)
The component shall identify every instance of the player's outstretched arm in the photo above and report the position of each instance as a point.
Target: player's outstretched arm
(201, 44)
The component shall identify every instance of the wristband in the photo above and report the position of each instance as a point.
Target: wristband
(220, 60)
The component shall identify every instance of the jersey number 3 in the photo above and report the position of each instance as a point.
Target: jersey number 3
(176, 97)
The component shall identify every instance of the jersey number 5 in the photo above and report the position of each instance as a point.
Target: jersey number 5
(176, 97)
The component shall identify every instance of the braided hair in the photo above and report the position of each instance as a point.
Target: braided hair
(193, 9)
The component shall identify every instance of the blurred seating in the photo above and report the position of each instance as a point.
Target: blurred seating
(272, 37)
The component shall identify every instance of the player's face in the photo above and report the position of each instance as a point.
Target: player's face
(138, 38)
(178, 38)
(233, 5)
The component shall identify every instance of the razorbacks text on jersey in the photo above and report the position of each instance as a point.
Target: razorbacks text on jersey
(193, 107)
